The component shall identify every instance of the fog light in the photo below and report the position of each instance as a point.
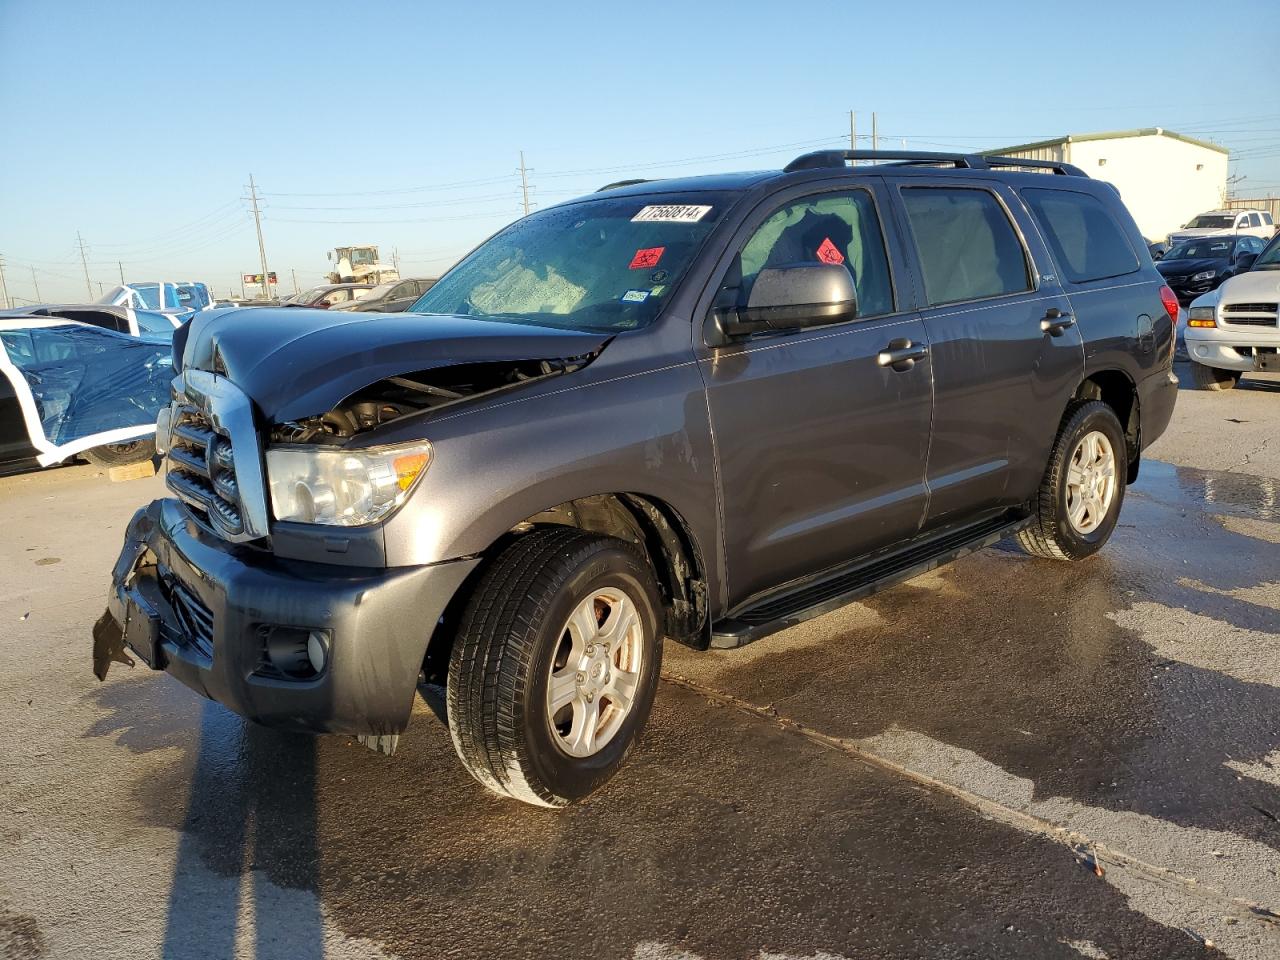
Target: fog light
(317, 651)
(293, 653)
(1202, 351)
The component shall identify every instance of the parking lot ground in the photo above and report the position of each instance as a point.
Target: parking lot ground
(1006, 757)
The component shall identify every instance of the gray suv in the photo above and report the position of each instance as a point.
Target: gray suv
(695, 410)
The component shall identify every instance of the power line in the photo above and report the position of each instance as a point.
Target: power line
(482, 181)
(485, 198)
(215, 214)
(4, 289)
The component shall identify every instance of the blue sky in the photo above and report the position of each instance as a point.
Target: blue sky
(138, 123)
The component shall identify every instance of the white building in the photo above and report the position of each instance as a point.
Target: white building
(1163, 177)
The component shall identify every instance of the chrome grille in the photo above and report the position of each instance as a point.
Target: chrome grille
(1250, 322)
(1249, 314)
(202, 471)
(213, 461)
(1250, 308)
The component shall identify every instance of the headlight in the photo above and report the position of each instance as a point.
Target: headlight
(1201, 317)
(1204, 275)
(345, 488)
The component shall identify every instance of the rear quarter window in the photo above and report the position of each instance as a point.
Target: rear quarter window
(1087, 241)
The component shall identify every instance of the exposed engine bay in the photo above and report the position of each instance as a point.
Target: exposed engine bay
(395, 398)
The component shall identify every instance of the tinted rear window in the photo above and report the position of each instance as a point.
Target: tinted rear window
(968, 248)
(1085, 238)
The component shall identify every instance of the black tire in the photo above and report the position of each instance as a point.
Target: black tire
(121, 454)
(1051, 534)
(1212, 378)
(502, 660)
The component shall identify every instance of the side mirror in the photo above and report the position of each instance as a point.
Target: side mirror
(793, 297)
(1245, 260)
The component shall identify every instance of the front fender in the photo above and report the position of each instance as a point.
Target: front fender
(495, 466)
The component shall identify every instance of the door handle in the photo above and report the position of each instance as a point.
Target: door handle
(901, 354)
(1055, 322)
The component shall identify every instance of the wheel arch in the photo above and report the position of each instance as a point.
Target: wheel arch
(651, 524)
(1117, 389)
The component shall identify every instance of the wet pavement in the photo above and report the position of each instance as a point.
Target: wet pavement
(1006, 757)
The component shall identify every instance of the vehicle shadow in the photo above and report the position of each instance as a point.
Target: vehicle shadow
(250, 817)
(724, 837)
(1143, 679)
(243, 801)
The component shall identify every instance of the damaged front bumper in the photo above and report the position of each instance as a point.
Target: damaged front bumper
(227, 621)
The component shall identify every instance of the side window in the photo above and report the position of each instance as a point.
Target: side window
(841, 228)
(1266, 220)
(967, 246)
(1255, 220)
(154, 323)
(1085, 239)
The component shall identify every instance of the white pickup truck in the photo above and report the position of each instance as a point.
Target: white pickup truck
(1235, 329)
(1214, 223)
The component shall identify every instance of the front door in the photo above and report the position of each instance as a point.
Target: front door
(820, 435)
(1005, 349)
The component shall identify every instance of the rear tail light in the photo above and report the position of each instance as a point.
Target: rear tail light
(1170, 301)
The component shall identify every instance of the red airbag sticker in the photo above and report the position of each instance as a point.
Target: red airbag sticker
(829, 253)
(646, 258)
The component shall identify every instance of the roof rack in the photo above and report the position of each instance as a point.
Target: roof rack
(820, 159)
(620, 183)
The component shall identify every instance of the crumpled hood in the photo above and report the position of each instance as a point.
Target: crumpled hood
(298, 362)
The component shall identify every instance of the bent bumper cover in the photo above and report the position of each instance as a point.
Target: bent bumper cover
(198, 607)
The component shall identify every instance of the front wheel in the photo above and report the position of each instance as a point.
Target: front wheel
(1080, 496)
(1213, 378)
(555, 665)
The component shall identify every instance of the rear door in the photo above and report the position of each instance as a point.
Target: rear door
(1006, 355)
(820, 441)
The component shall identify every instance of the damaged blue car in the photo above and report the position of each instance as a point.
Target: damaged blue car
(72, 388)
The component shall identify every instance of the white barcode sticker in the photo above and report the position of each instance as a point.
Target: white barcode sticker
(671, 213)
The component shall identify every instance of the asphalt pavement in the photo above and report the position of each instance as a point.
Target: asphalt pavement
(1006, 757)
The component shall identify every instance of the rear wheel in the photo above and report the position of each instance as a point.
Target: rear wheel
(1212, 378)
(120, 454)
(1082, 490)
(555, 665)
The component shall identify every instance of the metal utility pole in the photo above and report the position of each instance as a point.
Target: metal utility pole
(875, 136)
(853, 130)
(524, 183)
(262, 250)
(99, 288)
(84, 263)
(4, 289)
(35, 283)
(121, 266)
(395, 258)
(294, 273)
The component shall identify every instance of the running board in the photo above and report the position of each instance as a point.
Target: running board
(835, 588)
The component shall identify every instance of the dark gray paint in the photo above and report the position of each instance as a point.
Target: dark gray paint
(784, 454)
